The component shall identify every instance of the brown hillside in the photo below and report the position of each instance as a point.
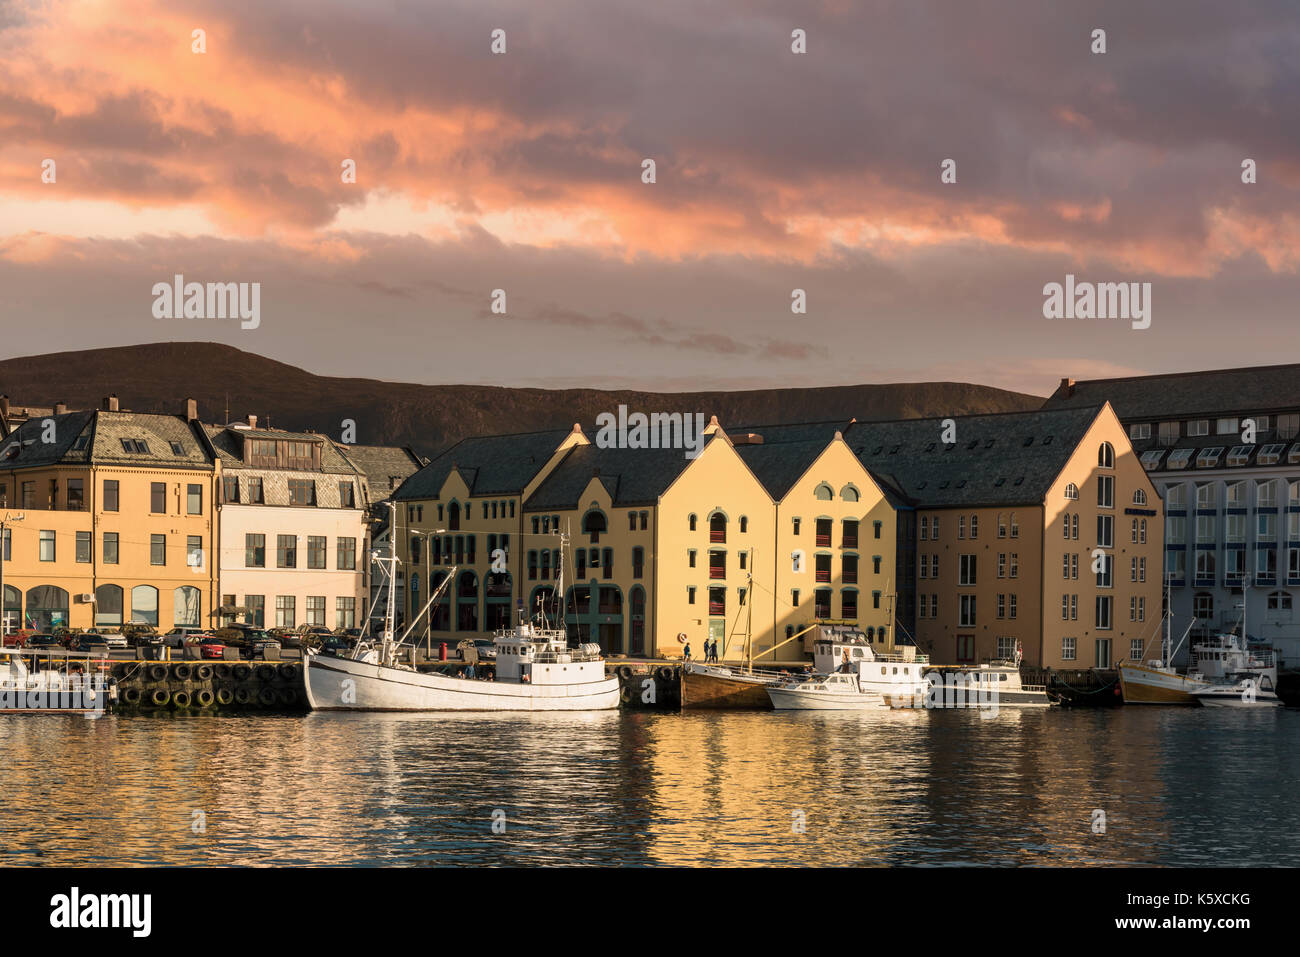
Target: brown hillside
(160, 376)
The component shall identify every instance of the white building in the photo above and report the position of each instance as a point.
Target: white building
(291, 529)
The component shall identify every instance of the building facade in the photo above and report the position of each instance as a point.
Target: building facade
(1223, 450)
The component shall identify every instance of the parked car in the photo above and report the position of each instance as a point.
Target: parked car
(287, 637)
(114, 640)
(335, 646)
(88, 639)
(211, 646)
(43, 642)
(259, 642)
(486, 648)
(17, 639)
(351, 634)
(180, 635)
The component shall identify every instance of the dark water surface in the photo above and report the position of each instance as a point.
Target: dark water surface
(1178, 787)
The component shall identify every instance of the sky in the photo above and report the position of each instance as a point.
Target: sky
(774, 170)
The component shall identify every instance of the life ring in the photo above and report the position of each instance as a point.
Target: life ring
(681, 637)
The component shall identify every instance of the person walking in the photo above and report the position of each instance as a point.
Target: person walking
(686, 652)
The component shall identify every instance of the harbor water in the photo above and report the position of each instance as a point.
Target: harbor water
(1176, 786)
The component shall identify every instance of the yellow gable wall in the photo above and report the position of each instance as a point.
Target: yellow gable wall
(839, 468)
(718, 480)
(1082, 470)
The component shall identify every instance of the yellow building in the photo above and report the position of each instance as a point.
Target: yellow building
(116, 520)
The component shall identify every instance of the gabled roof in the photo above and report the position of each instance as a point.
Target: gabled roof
(104, 433)
(779, 465)
(490, 465)
(1181, 395)
(386, 467)
(630, 476)
(229, 446)
(1007, 458)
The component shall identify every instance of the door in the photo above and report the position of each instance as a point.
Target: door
(965, 649)
(1103, 652)
(718, 633)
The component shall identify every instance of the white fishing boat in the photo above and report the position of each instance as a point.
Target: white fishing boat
(536, 670)
(1253, 692)
(54, 682)
(996, 683)
(845, 649)
(842, 691)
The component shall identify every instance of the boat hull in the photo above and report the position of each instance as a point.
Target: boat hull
(1233, 699)
(1142, 685)
(344, 684)
(714, 688)
(784, 699)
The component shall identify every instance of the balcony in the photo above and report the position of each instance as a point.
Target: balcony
(717, 607)
(823, 541)
(717, 571)
(824, 575)
(718, 535)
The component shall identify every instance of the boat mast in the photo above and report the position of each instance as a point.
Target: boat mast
(390, 610)
(749, 615)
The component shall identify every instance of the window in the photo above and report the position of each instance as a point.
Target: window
(1198, 427)
(876, 528)
(1072, 492)
(691, 521)
(194, 551)
(1015, 526)
(638, 562)
(230, 489)
(1139, 497)
(794, 598)
(796, 526)
(286, 551)
(1105, 604)
(1266, 494)
(1106, 531)
(83, 547)
(717, 527)
(315, 610)
(631, 521)
(1069, 649)
(1288, 426)
(255, 492)
(47, 545)
(744, 524)
(347, 495)
(1139, 431)
(1169, 433)
(256, 605)
(1106, 491)
(1209, 458)
(254, 551)
(194, 499)
(316, 545)
(849, 535)
(346, 553)
(1176, 496)
(966, 608)
(302, 492)
(645, 517)
(157, 549)
(110, 548)
(924, 533)
(76, 495)
(967, 570)
(1106, 456)
(690, 595)
(285, 611)
(1106, 573)
(158, 498)
(824, 493)
(345, 612)
(823, 534)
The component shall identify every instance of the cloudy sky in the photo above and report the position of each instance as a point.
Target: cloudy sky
(775, 170)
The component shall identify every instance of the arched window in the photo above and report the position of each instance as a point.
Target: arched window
(744, 524)
(849, 494)
(717, 527)
(593, 523)
(1015, 526)
(467, 586)
(108, 605)
(1106, 456)
(453, 516)
(186, 606)
(824, 493)
(1002, 525)
(47, 607)
(144, 604)
(1139, 497)
(692, 520)
(1279, 601)
(1072, 492)
(13, 608)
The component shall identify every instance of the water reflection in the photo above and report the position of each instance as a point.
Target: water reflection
(1178, 786)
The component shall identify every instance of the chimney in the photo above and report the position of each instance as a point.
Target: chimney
(60, 408)
(110, 403)
(252, 421)
(1067, 386)
(191, 410)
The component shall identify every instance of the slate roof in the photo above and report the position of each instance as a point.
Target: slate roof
(998, 459)
(1182, 395)
(228, 445)
(778, 465)
(490, 465)
(103, 433)
(386, 467)
(631, 476)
